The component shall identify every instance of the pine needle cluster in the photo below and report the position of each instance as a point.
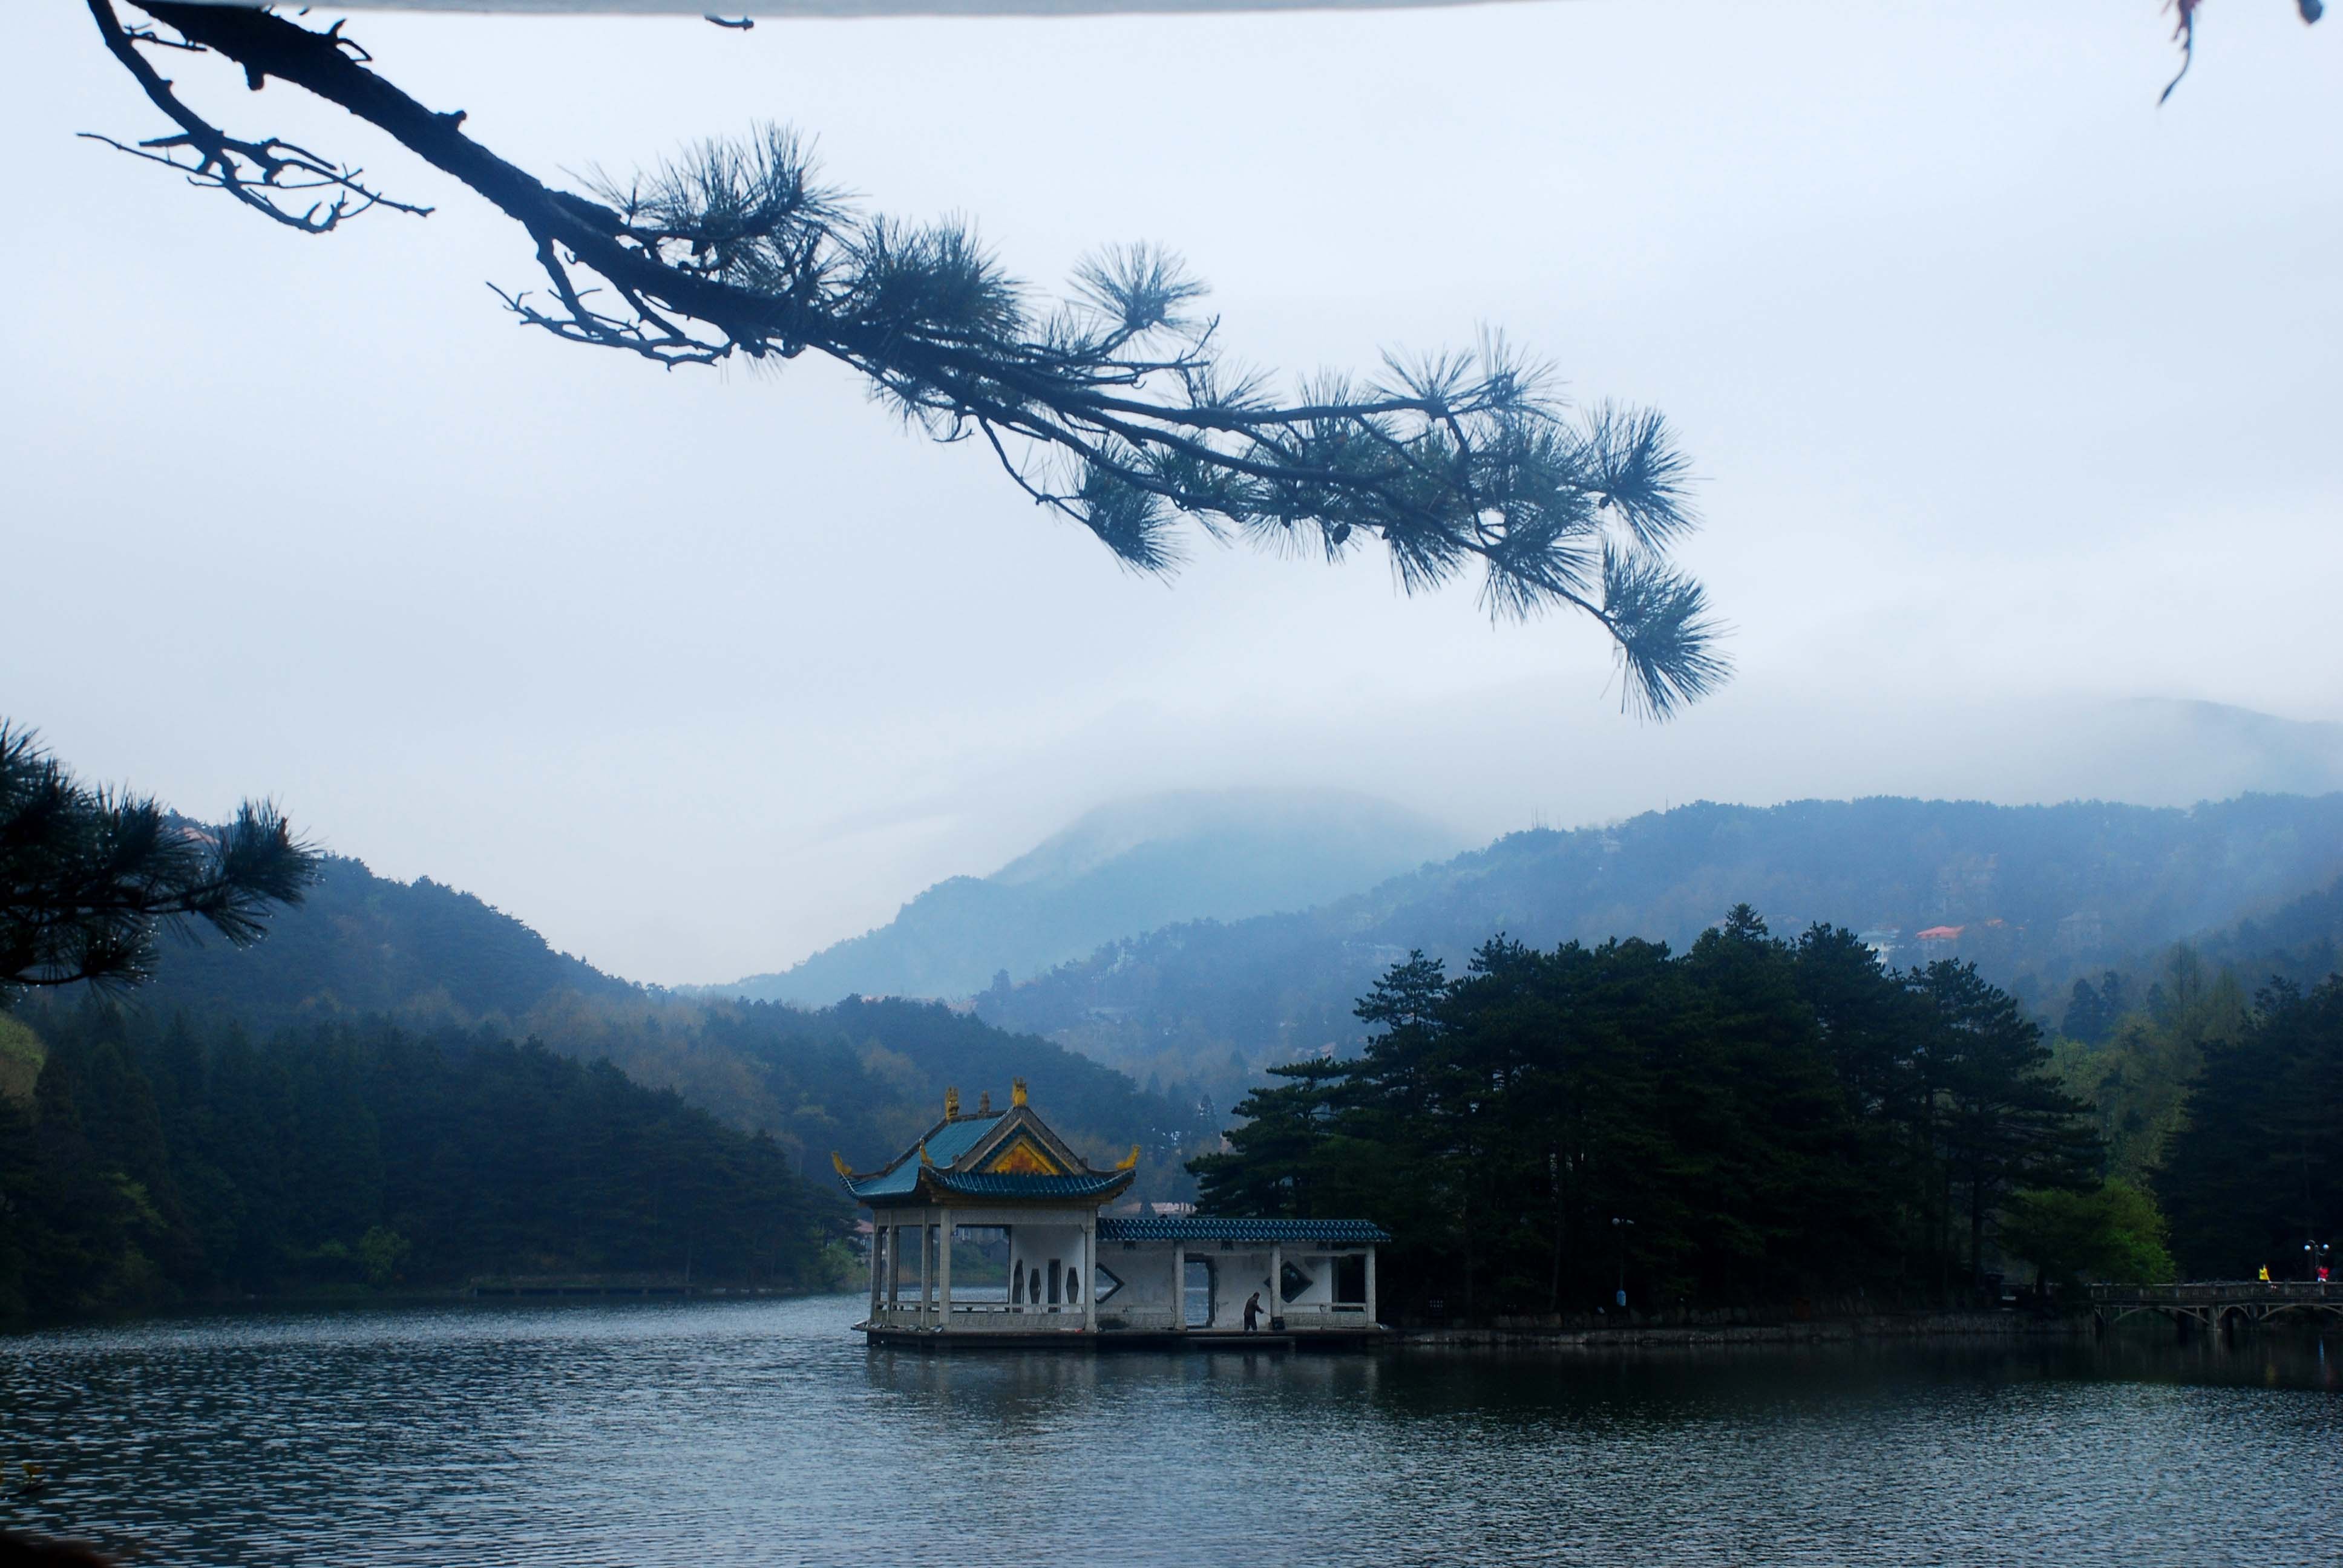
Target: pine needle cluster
(88, 877)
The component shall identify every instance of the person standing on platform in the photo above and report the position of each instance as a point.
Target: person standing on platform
(1253, 1313)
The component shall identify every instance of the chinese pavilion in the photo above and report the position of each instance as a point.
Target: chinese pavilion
(1010, 1188)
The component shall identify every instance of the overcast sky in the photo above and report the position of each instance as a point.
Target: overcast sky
(2014, 396)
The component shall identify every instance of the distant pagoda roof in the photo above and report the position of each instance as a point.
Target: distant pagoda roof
(1215, 1228)
(994, 1156)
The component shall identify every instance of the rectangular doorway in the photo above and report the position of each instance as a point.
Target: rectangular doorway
(1196, 1293)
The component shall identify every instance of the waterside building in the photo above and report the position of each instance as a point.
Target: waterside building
(1056, 1270)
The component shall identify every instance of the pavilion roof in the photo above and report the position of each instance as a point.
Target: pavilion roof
(997, 1156)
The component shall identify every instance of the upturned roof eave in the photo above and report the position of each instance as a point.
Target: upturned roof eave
(937, 1187)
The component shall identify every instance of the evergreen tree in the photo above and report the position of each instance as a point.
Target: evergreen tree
(1751, 1123)
(2256, 1176)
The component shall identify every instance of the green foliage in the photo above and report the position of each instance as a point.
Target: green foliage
(1774, 1119)
(2139, 1070)
(159, 1162)
(2114, 1232)
(2257, 1170)
(380, 1251)
(21, 1056)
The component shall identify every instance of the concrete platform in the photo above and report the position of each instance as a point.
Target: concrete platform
(1129, 1339)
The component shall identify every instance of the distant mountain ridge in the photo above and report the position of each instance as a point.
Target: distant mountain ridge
(1123, 867)
(2035, 894)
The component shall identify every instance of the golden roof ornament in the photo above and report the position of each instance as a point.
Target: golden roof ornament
(1015, 1091)
(985, 1102)
(951, 1103)
(1128, 1162)
(839, 1161)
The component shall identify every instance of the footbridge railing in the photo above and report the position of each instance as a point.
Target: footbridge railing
(2216, 1303)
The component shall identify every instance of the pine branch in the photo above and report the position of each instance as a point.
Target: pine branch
(1110, 406)
(88, 877)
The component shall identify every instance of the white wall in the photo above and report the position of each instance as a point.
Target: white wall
(1035, 1246)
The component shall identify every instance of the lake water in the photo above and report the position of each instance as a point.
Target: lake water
(763, 1432)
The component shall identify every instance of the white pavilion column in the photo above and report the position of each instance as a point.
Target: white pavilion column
(1090, 1275)
(1179, 1287)
(927, 1278)
(1276, 1281)
(943, 1272)
(1372, 1318)
(878, 1240)
(894, 1265)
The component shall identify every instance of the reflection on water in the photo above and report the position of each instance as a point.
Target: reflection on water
(685, 1432)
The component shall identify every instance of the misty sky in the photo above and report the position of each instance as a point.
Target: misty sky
(2014, 397)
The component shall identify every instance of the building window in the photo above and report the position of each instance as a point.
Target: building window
(1103, 1285)
(1053, 1281)
(1291, 1282)
(1350, 1280)
(1017, 1283)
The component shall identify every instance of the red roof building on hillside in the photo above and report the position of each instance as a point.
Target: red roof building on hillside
(1942, 934)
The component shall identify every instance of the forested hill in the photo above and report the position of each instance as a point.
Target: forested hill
(861, 1077)
(2036, 895)
(1129, 867)
(157, 1162)
(2300, 942)
(361, 944)
(866, 1078)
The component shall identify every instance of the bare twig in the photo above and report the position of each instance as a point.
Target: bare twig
(255, 173)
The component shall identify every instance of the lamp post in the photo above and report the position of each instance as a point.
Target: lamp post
(1620, 1228)
(2314, 1254)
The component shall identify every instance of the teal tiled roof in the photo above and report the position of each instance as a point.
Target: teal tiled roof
(927, 1168)
(1003, 1184)
(1213, 1228)
(944, 1145)
(900, 1182)
(956, 1138)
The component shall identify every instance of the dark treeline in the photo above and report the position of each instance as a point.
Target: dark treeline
(2253, 1175)
(1773, 1120)
(156, 1162)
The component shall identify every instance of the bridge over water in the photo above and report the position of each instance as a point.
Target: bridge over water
(2216, 1303)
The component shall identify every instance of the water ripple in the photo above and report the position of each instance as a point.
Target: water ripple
(673, 1433)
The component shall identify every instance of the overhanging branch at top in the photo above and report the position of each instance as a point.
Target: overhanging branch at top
(1111, 406)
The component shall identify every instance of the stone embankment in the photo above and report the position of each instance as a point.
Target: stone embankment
(1531, 1331)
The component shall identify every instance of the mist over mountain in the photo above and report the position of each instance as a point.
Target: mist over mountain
(1127, 867)
(2035, 894)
